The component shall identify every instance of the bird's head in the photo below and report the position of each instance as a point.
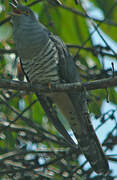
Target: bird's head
(28, 33)
(22, 14)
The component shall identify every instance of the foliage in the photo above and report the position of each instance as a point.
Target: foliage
(30, 147)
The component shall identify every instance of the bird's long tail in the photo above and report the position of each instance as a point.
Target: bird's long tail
(92, 148)
(74, 107)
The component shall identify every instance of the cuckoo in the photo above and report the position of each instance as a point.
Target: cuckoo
(46, 60)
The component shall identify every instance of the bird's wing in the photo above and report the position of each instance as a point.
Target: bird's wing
(51, 113)
(74, 107)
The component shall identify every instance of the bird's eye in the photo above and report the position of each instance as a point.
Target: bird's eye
(27, 13)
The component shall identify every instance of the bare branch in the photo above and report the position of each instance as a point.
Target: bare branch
(95, 50)
(97, 84)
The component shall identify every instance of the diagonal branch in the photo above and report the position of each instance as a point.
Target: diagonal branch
(105, 21)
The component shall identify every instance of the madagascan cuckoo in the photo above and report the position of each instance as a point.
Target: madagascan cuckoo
(45, 59)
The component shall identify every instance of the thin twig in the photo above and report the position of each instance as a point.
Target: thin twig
(95, 50)
(87, 16)
(99, 23)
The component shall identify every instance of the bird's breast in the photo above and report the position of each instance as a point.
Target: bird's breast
(43, 67)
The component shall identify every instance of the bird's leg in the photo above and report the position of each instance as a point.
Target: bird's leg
(20, 73)
(49, 85)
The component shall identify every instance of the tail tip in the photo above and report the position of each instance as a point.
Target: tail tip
(103, 171)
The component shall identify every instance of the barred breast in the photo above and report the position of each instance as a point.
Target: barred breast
(43, 68)
(37, 51)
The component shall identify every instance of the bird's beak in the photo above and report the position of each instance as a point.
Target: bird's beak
(16, 11)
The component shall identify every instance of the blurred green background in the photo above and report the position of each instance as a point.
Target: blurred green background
(75, 24)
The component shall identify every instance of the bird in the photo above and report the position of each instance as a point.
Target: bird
(46, 60)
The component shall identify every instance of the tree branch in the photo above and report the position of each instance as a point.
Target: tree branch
(95, 50)
(12, 154)
(97, 84)
(107, 21)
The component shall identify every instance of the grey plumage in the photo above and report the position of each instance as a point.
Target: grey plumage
(45, 59)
